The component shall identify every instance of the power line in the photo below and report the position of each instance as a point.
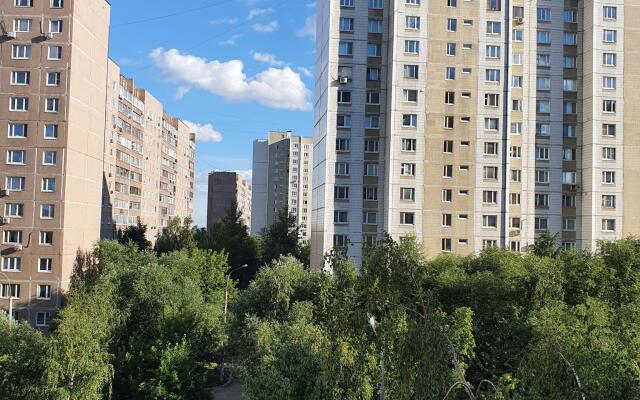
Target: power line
(142, 21)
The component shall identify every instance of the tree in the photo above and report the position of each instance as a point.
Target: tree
(282, 238)
(546, 245)
(178, 235)
(136, 234)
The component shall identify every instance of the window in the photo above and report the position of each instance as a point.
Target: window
(570, 39)
(518, 12)
(409, 145)
(609, 59)
(15, 183)
(373, 97)
(492, 99)
(375, 4)
(12, 264)
(447, 220)
(569, 154)
(492, 75)
(410, 95)
(569, 131)
(608, 177)
(370, 169)
(516, 105)
(514, 199)
(543, 83)
(516, 128)
(450, 73)
(20, 104)
(446, 244)
(346, 24)
(12, 237)
(447, 146)
(515, 223)
(609, 130)
(16, 157)
(345, 72)
(341, 193)
(467, 46)
(50, 131)
(407, 169)
(569, 178)
(10, 290)
(515, 152)
(494, 5)
(345, 48)
(372, 122)
(374, 50)
(542, 153)
(45, 265)
(344, 96)
(452, 3)
(494, 27)
(543, 106)
(490, 197)
(20, 78)
(14, 210)
(412, 22)
(56, 4)
(570, 85)
(407, 194)
(407, 218)
(412, 46)
(370, 193)
(570, 61)
(410, 120)
(343, 121)
(517, 58)
(17, 130)
(371, 145)
(46, 238)
(516, 81)
(47, 211)
(44, 292)
(517, 35)
(452, 25)
(493, 51)
(568, 224)
(448, 122)
(609, 106)
(610, 12)
(490, 173)
(55, 26)
(491, 148)
(491, 124)
(375, 26)
(609, 82)
(340, 217)
(609, 153)
(55, 52)
(489, 221)
(346, 3)
(447, 171)
(52, 105)
(343, 145)
(451, 49)
(24, 3)
(608, 201)
(369, 218)
(342, 169)
(542, 200)
(21, 51)
(570, 16)
(22, 25)
(447, 195)
(608, 225)
(373, 74)
(609, 36)
(542, 176)
(411, 71)
(541, 224)
(543, 60)
(42, 318)
(544, 14)
(449, 98)
(516, 175)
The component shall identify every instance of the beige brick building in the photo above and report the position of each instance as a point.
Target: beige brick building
(149, 161)
(53, 69)
(475, 123)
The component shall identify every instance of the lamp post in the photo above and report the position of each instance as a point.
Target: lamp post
(372, 324)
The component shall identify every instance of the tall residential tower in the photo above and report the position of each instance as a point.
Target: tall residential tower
(475, 123)
(282, 168)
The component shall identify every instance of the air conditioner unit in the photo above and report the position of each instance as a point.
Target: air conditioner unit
(518, 21)
(4, 220)
(4, 193)
(17, 247)
(343, 80)
(48, 35)
(11, 35)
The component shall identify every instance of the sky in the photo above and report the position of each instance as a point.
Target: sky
(232, 69)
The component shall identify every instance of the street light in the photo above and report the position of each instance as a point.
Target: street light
(372, 324)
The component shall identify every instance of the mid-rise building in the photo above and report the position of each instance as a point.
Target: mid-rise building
(53, 69)
(472, 124)
(149, 161)
(228, 190)
(282, 170)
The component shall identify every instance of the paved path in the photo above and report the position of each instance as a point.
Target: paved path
(231, 392)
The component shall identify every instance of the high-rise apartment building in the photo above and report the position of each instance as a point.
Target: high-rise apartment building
(53, 69)
(149, 161)
(282, 170)
(475, 123)
(228, 190)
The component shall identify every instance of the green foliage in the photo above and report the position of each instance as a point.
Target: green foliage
(136, 234)
(178, 235)
(282, 238)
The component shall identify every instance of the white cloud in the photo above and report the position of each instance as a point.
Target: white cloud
(267, 59)
(230, 41)
(305, 71)
(259, 12)
(266, 28)
(309, 28)
(204, 132)
(279, 88)
(181, 92)
(225, 21)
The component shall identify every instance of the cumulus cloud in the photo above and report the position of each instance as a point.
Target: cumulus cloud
(259, 12)
(305, 71)
(280, 88)
(267, 59)
(266, 28)
(309, 28)
(204, 132)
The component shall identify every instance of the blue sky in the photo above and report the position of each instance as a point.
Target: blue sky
(235, 69)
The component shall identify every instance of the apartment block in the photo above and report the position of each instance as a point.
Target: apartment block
(474, 123)
(282, 170)
(149, 161)
(53, 69)
(228, 190)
